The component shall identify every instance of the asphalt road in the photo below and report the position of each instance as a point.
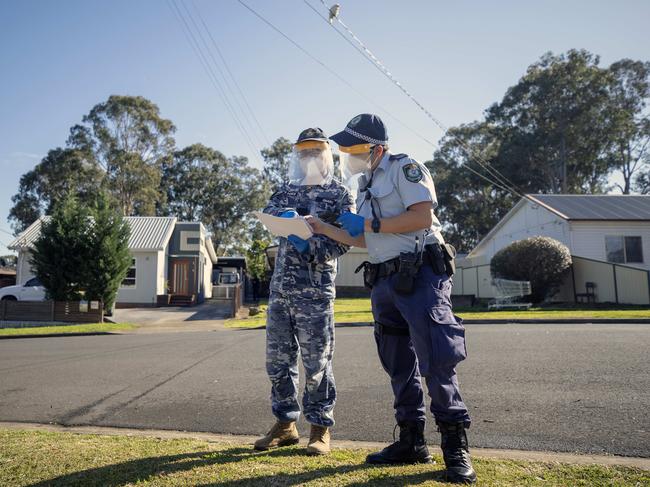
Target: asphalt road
(576, 388)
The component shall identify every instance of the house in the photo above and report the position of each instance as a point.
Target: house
(171, 261)
(608, 237)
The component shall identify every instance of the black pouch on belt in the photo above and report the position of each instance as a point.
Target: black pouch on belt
(436, 259)
(369, 273)
(409, 264)
(449, 253)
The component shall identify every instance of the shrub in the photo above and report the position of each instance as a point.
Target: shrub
(541, 260)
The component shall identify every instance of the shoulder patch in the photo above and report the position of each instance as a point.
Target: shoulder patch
(413, 172)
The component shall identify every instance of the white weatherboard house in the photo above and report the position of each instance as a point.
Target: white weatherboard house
(168, 257)
(607, 235)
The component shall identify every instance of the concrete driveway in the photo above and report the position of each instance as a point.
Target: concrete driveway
(203, 317)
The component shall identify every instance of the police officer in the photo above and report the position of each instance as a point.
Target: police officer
(409, 271)
(300, 313)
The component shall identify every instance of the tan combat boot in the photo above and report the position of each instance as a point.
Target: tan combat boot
(319, 440)
(282, 434)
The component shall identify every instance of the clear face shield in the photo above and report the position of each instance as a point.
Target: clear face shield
(355, 161)
(311, 164)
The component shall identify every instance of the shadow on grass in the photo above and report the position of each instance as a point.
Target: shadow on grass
(143, 469)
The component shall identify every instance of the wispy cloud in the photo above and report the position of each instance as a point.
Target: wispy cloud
(27, 155)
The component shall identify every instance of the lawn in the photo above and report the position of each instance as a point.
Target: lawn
(357, 310)
(65, 459)
(86, 328)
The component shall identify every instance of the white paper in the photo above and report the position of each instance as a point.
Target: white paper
(283, 227)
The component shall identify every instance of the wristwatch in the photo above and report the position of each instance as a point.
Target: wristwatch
(376, 225)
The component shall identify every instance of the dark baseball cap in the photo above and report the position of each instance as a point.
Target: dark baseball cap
(362, 129)
(314, 133)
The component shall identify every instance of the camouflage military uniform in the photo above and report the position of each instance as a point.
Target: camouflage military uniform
(300, 314)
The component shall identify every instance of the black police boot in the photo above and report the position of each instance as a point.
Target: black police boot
(455, 451)
(410, 448)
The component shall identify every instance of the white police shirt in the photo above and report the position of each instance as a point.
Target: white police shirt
(397, 183)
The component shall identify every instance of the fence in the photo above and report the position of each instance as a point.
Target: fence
(614, 283)
(232, 293)
(59, 311)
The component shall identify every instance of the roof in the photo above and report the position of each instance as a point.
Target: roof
(596, 207)
(7, 272)
(147, 233)
(234, 260)
(581, 207)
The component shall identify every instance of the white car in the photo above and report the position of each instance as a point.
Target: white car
(32, 290)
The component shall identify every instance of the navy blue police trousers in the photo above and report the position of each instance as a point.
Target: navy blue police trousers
(418, 336)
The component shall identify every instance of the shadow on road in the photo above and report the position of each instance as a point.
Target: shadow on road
(135, 471)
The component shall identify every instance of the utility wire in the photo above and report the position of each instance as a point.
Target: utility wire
(196, 47)
(365, 51)
(333, 72)
(467, 166)
(241, 125)
(344, 81)
(232, 77)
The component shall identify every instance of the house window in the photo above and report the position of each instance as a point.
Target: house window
(624, 250)
(130, 279)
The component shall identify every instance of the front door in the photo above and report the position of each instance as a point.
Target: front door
(181, 277)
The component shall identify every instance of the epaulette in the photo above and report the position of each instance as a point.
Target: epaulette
(395, 157)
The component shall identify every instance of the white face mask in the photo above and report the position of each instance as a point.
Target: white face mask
(354, 164)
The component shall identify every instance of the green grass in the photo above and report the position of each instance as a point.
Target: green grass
(67, 459)
(357, 310)
(46, 330)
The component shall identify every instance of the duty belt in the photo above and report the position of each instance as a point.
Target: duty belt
(439, 257)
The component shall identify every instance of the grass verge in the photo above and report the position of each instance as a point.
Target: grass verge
(357, 310)
(66, 329)
(66, 459)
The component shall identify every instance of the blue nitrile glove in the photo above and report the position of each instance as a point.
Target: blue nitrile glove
(289, 214)
(300, 244)
(352, 223)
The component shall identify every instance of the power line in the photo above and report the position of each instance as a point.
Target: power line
(333, 72)
(466, 166)
(226, 99)
(196, 47)
(233, 79)
(344, 81)
(366, 53)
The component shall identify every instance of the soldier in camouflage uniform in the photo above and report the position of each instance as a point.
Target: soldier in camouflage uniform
(300, 312)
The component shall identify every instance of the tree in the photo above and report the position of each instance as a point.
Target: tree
(82, 251)
(188, 180)
(541, 260)
(131, 141)
(555, 123)
(630, 89)
(276, 161)
(469, 206)
(62, 172)
(202, 184)
(60, 253)
(236, 190)
(256, 253)
(8, 261)
(642, 183)
(107, 253)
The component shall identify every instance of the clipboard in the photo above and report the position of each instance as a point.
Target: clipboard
(283, 227)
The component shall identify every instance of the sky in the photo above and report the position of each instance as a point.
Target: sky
(59, 59)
